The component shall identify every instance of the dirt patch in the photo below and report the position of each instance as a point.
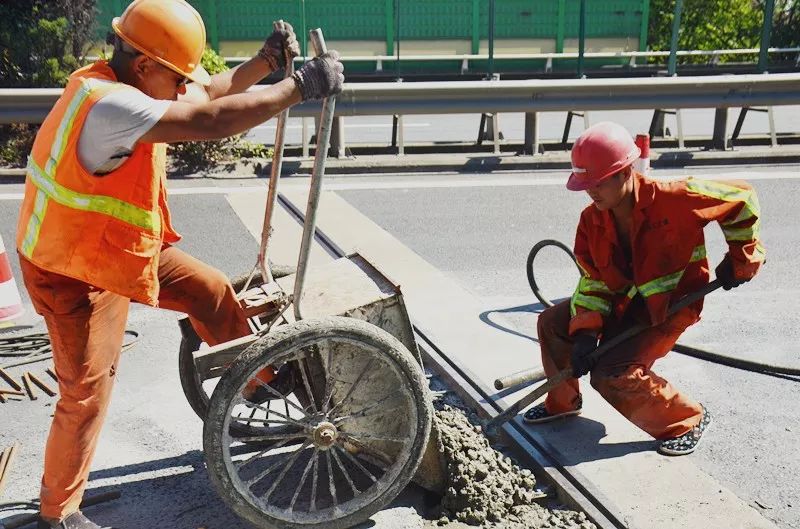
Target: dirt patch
(485, 488)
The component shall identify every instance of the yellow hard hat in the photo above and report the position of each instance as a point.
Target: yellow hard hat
(171, 32)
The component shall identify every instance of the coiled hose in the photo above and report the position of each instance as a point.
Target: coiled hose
(694, 352)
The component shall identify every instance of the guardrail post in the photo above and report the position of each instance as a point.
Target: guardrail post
(531, 145)
(720, 141)
(305, 138)
(337, 138)
(397, 134)
(495, 124)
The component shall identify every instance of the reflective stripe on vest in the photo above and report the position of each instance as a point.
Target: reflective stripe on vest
(669, 282)
(729, 193)
(49, 189)
(662, 284)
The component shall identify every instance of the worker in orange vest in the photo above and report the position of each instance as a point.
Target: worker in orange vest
(94, 230)
(640, 246)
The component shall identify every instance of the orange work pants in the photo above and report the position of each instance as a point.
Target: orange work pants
(86, 327)
(623, 375)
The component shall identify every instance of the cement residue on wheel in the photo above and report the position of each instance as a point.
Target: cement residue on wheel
(485, 488)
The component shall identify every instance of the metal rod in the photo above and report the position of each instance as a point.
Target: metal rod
(323, 139)
(565, 374)
(272, 194)
(766, 34)
(491, 37)
(520, 377)
(673, 43)
(581, 38)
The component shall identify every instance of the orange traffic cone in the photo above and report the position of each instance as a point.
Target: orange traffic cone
(10, 301)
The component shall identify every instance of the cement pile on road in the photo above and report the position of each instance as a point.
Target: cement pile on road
(485, 488)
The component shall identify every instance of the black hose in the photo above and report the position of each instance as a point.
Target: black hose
(694, 352)
(529, 268)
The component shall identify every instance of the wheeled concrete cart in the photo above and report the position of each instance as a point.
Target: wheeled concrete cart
(345, 420)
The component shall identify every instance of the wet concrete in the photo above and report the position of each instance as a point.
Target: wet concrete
(485, 487)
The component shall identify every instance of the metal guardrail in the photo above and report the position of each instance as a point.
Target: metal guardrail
(494, 96)
(480, 97)
(631, 56)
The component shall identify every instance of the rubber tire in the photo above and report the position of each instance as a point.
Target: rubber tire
(278, 342)
(529, 266)
(192, 388)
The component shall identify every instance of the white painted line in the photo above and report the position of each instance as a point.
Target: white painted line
(352, 126)
(360, 183)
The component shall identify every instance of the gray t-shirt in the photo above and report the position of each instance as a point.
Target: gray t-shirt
(114, 125)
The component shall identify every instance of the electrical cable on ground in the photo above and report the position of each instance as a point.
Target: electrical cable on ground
(694, 352)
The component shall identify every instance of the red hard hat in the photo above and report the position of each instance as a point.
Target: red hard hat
(601, 151)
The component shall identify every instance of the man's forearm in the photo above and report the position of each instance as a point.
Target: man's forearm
(238, 113)
(239, 79)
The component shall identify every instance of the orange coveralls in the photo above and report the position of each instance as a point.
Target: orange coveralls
(88, 245)
(86, 327)
(668, 261)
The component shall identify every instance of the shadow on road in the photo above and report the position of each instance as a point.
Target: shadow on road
(576, 440)
(533, 308)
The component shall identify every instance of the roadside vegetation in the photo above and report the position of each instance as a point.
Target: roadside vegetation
(42, 42)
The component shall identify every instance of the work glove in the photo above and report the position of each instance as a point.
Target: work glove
(583, 345)
(725, 274)
(277, 45)
(320, 77)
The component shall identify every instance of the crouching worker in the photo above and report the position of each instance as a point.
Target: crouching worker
(640, 246)
(94, 230)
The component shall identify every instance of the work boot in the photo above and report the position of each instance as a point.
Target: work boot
(686, 443)
(283, 383)
(75, 520)
(539, 414)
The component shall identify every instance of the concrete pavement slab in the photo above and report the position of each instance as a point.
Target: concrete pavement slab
(649, 490)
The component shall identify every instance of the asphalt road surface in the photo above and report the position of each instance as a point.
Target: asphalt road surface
(478, 230)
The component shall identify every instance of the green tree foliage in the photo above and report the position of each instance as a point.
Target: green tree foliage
(41, 43)
(706, 24)
(723, 24)
(786, 29)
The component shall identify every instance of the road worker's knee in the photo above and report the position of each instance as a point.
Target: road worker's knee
(551, 323)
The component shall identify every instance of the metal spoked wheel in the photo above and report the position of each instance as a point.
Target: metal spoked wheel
(537, 291)
(336, 459)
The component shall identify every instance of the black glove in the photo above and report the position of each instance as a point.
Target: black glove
(276, 46)
(581, 347)
(724, 272)
(321, 77)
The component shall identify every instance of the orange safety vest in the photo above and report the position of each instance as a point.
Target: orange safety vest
(107, 230)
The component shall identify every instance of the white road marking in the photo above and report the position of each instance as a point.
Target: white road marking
(338, 183)
(351, 126)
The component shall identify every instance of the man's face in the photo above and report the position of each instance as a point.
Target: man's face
(158, 81)
(610, 192)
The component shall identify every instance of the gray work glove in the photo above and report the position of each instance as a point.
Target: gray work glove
(277, 45)
(320, 77)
